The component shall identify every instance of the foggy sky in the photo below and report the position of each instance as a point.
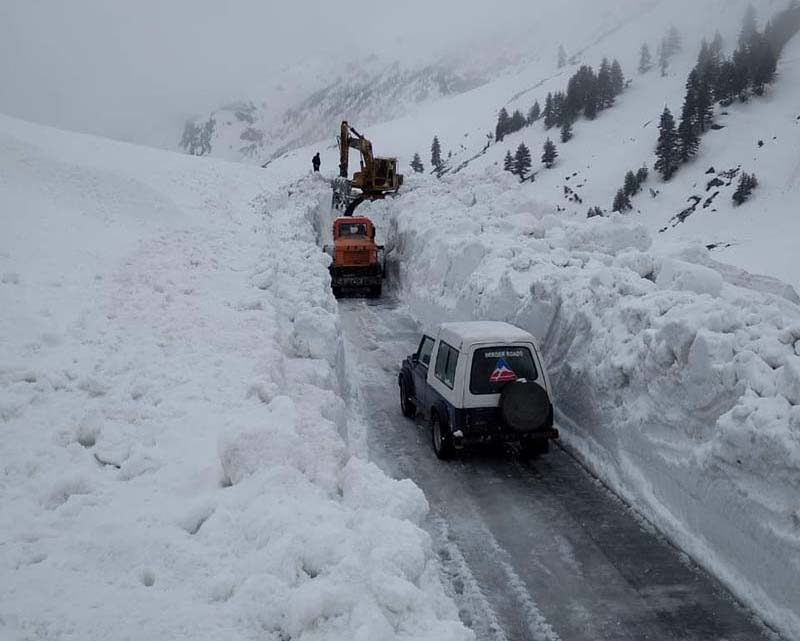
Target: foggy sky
(134, 69)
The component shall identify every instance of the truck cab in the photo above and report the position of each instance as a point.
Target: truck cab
(479, 382)
(357, 260)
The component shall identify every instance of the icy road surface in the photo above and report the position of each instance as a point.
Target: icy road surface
(534, 550)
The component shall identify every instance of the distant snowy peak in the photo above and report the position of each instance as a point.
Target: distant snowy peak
(365, 93)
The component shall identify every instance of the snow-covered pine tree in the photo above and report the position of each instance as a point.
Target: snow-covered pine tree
(617, 78)
(749, 27)
(688, 140)
(416, 164)
(645, 59)
(747, 183)
(562, 56)
(663, 58)
(436, 156)
(502, 127)
(534, 113)
(549, 121)
(605, 90)
(508, 162)
(522, 161)
(673, 41)
(667, 148)
(621, 202)
(642, 175)
(566, 131)
(517, 121)
(594, 211)
(631, 186)
(549, 153)
(704, 105)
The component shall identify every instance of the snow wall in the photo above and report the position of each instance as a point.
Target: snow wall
(678, 384)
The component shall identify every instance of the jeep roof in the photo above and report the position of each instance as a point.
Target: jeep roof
(463, 334)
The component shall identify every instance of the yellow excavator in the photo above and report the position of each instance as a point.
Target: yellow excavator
(377, 179)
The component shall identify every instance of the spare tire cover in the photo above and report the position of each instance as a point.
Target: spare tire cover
(525, 406)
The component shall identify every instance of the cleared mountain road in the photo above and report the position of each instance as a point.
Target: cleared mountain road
(537, 550)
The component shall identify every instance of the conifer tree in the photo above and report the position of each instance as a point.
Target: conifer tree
(663, 58)
(749, 28)
(642, 175)
(559, 111)
(667, 148)
(631, 185)
(594, 211)
(508, 162)
(688, 141)
(416, 164)
(673, 42)
(549, 122)
(566, 131)
(502, 127)
(605, 90)
(747, 183)
(522, 161)
(549, 154)
(562, 56)
(645, 59)
(617, 78)
(621, 202)
(517, 121)
(705, 106)
(436, 156)
(535, 113)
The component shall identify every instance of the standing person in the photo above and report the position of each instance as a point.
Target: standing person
(316, 161)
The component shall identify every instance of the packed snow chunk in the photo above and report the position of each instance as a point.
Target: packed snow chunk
(63, 489)
(88, 429)
(364, 486)
(789, 381)
(682, 276)
(315, 334)
(274, 442)
(608, 236)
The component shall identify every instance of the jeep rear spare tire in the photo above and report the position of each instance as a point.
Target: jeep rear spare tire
(525, 406)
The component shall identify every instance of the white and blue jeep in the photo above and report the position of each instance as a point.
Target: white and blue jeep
(479, 382)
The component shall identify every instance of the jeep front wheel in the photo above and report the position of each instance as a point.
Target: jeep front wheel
(442, 439)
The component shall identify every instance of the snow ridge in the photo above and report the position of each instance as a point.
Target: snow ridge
(677, 387)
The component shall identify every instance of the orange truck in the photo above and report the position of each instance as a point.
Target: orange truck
(358, 262)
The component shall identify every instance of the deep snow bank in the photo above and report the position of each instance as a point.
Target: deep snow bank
(679, 388)
(174, 455)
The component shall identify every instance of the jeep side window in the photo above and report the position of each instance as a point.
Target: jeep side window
(446, 361)
(425, 350)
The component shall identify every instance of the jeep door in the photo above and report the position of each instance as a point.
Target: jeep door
(419, 372)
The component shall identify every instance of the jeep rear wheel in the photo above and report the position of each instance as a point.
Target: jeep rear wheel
(406, 404)
(442, 439)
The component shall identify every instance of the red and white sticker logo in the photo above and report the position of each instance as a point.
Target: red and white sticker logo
(502, 372)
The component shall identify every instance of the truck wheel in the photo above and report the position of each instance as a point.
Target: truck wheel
(375, 291)
(406, 404)
(442, 439)
(534, 447)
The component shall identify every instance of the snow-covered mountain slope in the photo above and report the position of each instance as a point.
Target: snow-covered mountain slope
(591, 167)
(369, 92)
(176, 458)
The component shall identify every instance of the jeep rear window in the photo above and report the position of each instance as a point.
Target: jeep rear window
(493, 367)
